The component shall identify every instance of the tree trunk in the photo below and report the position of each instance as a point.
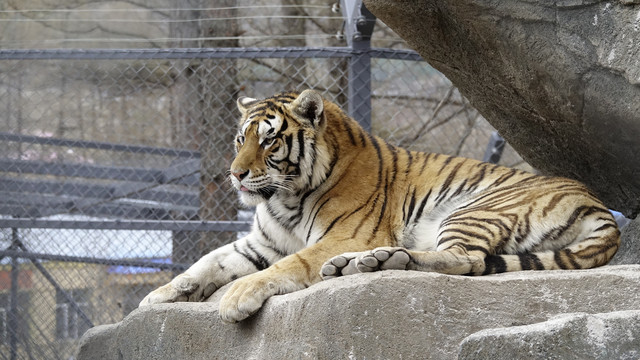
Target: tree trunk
(295, 69)
(206, 112)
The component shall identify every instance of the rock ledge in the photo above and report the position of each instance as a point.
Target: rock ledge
(383, 315)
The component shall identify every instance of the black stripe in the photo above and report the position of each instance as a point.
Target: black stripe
(313, 220)
(268, 239)
(494, 264)
(286, 97)
(284, 126)
(409, 160)
(480, 176)
(459, 189)
(605, 226)
(252, 260)
(263, 263)
(412, 204)
(505, 177)
(480, 226)
(384, 207)
(261, 108)
(444, 165)
(532, 177)
(404, 207)
(345, 122)
(376, 145)
(280, 219)
(444, 190)
(493, 221)
(570, 256)
(366, 216)
(363, 138)
(311, 191)
(273, 162)
(326, 231)
(557, 257)
(530, 261)
(424, 162)
(356, 210)
(524, 231)
(558, 232)
(469, 248)
(470, 234)
(300, 145)
(288, 139)
(422, 204)
(600, 249)
(394, 157)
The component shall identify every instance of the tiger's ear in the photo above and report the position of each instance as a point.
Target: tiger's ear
(309, 106)
(244, 103)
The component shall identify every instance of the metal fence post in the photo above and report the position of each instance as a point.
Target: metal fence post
(494, 150)
(13, 299)
(359, 24)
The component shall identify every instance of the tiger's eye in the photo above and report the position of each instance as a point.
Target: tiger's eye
(268, 141)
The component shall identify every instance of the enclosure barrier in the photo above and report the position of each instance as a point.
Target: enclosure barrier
(113, 164)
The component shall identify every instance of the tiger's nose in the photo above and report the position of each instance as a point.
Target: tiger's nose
(240, 174)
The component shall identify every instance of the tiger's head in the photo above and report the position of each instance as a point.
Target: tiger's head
(276, 145)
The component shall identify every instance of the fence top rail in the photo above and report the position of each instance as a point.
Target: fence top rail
(31, 139)
(150, 225)
(204, 53)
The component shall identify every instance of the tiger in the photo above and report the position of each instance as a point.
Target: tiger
(333, 200)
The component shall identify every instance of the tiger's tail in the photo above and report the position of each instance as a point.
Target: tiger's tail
(593, 251)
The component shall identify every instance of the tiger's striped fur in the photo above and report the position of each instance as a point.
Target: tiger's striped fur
(333, 200)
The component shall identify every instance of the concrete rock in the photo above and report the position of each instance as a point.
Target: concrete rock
(560, 80)
(629, 252)
(614, 335)
(383, 315)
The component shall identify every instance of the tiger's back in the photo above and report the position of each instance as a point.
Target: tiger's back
(333, 200)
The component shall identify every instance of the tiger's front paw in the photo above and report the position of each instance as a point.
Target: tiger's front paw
(183, 287)
(245, 297)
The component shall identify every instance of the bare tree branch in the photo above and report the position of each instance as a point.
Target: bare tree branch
(471, 122)
(437, 109)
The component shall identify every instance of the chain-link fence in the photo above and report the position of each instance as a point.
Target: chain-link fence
(113, 165)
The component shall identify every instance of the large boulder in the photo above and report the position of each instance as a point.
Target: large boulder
(383, 315)
(560, 80)
(629, 251)
(607, 336)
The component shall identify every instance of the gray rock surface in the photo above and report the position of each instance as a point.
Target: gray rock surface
(629, 252)
(614, 335)
(383, 315)
(560, 80)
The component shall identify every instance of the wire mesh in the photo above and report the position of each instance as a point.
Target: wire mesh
(113, 167)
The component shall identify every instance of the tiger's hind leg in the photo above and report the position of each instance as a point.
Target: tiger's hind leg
(382, 258)
(585, 238)
(398, 258)
(460, 250)
(453, 261)
(470, 243)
